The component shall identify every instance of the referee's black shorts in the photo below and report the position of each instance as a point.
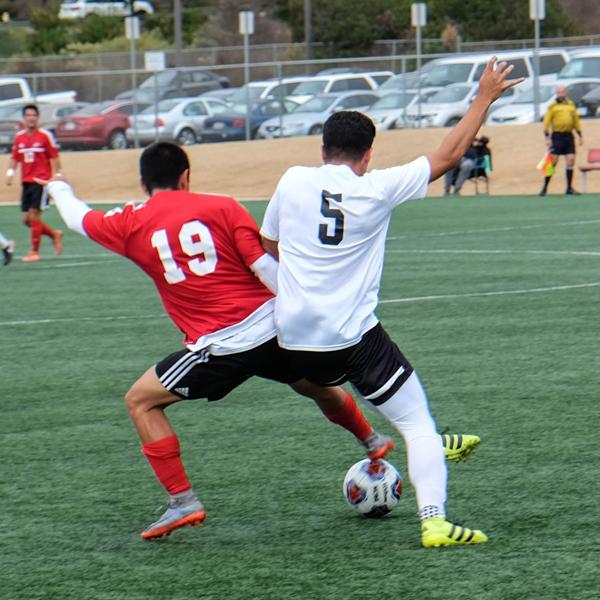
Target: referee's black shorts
(562, 143)
(375, 366)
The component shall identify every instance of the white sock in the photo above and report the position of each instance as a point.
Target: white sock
(408, 411)
(3, 242)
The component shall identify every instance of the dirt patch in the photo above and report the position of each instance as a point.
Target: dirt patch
(249, 170)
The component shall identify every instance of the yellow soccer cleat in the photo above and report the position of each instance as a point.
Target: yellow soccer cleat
(436, 532)
(457, 447)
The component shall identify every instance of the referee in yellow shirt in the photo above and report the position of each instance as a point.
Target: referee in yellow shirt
(560, 120)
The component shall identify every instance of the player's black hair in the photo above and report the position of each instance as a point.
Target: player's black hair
(30, 107)
(161, 166)
(347, 135)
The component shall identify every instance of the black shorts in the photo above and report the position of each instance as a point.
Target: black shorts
(33, 196)
(562, 143)
(202, 375)
(375, 366)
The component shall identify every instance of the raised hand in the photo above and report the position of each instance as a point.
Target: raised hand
(493, 82)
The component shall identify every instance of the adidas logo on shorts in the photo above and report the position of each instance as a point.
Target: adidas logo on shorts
(183, 391)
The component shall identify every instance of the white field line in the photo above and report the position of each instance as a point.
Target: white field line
(542, 252)
(79, 319)
(68, 265)
(553, 288)
(496, 229)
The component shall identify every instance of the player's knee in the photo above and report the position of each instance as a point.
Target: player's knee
(135, 401)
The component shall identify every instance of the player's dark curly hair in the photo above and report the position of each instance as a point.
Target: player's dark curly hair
(347, 135)
(161, 166)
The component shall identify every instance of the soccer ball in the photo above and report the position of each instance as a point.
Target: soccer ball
(373, 488)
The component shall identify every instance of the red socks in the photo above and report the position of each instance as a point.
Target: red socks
(165, 459)
(36, 230)
(351, 418)
(47, 230)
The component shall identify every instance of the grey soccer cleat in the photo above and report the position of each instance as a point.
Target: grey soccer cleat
(378, 445)
(179, 513)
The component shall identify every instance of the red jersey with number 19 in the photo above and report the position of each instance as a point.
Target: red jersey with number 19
(197, 248)
(34, 151)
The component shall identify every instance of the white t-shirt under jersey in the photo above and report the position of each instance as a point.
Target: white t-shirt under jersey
(331, 226)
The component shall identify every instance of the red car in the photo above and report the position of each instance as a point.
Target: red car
(98, 125)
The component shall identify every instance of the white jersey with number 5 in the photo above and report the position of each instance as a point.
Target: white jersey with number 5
(331, 226)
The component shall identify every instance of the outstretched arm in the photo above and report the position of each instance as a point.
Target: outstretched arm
(71, 209)
(491, 86)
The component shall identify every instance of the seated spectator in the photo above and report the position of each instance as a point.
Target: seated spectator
(473, 163)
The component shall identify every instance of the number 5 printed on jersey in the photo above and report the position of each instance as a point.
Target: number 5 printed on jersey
(196, 241)
(331, 213)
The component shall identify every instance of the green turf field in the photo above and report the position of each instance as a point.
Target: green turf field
(495, 301)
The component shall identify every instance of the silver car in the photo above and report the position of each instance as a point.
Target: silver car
(308, 118)
(388, 111)
(177, 120)
(522, 109)
(447, 107)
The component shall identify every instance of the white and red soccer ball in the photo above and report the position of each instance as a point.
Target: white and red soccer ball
(373, 488)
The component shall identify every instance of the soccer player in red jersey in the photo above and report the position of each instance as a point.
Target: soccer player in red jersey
(36, 151)
(205, 257)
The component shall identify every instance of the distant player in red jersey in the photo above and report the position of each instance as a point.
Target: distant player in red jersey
(36, 151)
(204, 254)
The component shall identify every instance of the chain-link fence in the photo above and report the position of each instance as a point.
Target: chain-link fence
(268, 53)
(96, 85)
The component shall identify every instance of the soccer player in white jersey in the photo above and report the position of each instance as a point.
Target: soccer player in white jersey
(327, 226)
(8, 247)
(205, 257)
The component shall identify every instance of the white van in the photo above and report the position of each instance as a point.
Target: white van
(268, 88)
(583, 63)
(468, 68)
(336, 84)
(77, 9)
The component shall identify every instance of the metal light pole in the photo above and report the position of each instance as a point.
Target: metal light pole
(308, 31)
(537, 12)
(418, 14)
(247, 29)
(132, 31)
(177, 18)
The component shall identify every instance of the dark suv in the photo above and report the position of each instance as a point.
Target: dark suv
(174, 83)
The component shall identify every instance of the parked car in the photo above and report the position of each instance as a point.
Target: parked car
(11, 119)
(468, 68)
(98, 125)
(176, 83)
(388, 111)
(309, 118)
(522, 110)
(447, 107)
(16, 90)
(379, 76)
(177, 120)
(584, 63)
(326, 84)
(269, 88)
(399, 83)
(232, 124)
(591, 102)
(224, 94)
(77, 9)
